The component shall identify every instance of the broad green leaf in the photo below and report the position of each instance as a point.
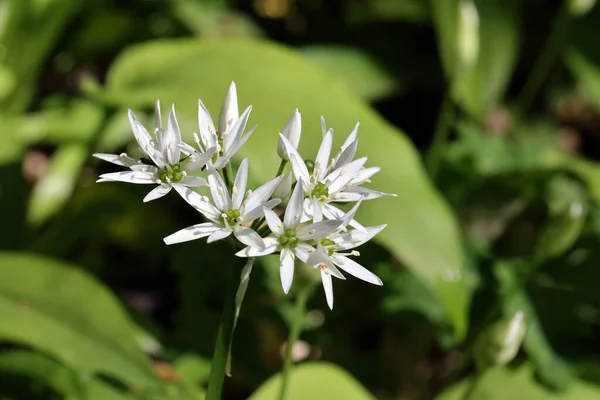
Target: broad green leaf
(276, 80)
(550, 367)
(316, 380)
(355, 69)
(516, 384)
(63, 312)
(57, 377)
(445, 18)
(54, 189)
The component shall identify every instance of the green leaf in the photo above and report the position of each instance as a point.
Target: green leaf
(388, 10)
(57, 377)
(550, 367)
(315, 380)
(54, 189)
(504, 383)
(355, 69)
(63, 312)
(421, 228)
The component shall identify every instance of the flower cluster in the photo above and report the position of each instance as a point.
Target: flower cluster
(311, 228)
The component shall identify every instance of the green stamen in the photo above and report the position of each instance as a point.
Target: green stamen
(289, 239)
(171, 174)
(328, 242)
(321, 191)
(232, 217)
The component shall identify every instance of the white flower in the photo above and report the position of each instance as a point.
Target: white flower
(331, 254)
(292, 131)
(229, 214)
(230, 137)
(164, 150)
(284, 188)
(289, 238)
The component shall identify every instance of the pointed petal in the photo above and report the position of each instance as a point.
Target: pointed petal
(235, 132)
(219, 234)
(357, 237)
(293, 211)
(249, 237)
(157, 116)
(318, 229)
(332, 212)
(229, 110)
(286, 260)
(192, 181)
(129, 177)
(144, 140)
(273, 221)
(271, 246)
(199, 160)
(349, 216)
(239, 186)
(355, 269)
(218, 190)
(339, 178)
(258, 212)
(171, 139)
(208, 133)
(345, 155)
(322, 159)
(323, 126)
(239, 143)
(317, 214)
(363, 175)
(292, 131)
(328, 287)
(200, 203)
(192, 233)
(303, 251)
(118, 159)
(298, 165)
(258, 197)
(157, 192)
(283, 188)
(367, 194)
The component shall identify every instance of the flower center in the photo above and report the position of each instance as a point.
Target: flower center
(171, 174)
(216, 156)
(328, 242)
(232, 217)
(321, 191)
(288, 239)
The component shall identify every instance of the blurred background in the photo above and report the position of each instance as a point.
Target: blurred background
(484, 116)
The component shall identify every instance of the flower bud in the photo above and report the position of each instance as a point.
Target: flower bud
(229, 111)
(284, 188)
(468, 33)
(580, 7)
(500, 342)
(292, 131)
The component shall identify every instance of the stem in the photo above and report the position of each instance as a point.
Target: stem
(221, 353)
(473, 384)
(295, 329)
(545, 61)
(257, 224)
(228, 176)
(282, 165)
(442, 129)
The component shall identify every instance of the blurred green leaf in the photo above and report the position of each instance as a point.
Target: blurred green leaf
(550, 367)
(62, 311)
(516, 384)
(54, 189)
(355, 69)
(388, 10)
(193, 371)
(421, 228)
(58, 377)
(315, 380)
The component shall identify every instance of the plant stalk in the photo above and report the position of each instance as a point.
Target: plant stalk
(473, 384)
(440, 136)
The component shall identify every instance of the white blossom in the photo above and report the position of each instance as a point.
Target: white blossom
(292, 131)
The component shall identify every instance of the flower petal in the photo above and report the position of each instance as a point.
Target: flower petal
(328, 287)
(367, 194)
(157, 192)
(286, 271)
(332, 212)
(293, 211)
(271, 246)
(129, 177)
(322, 159)
(207, 128)
(273, 221)
(192, 233)
(364, 175)
(199, 160)
(303, 251)
(355, 269)
(357, 237)
(345, 155)
(317, 213)
(292, 131)
(239, 186)
(193, 181)
(247, 216)
(238, 144)
(147, 145)
(218, 190)
(258, 197)
(157, 116)
(298, 165)
(219, 234)
(118, 159)
(339, 178)
(318, 229)
(171, 139)
(229, 110)
(200, 203)
(249, 237)
(283, 188)
(235, 133)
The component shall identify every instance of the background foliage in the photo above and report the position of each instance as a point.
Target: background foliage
(486, 128)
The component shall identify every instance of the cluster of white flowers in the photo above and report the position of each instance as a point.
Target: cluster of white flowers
(313, 229)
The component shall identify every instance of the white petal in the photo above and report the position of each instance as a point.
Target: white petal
(258, 197)
(349, 216)
(235, 132)
(298, 165)
(157, 116)
(355, 269)
(147, 145)
(339, 178)
(351, 137)
(320, 259)
(199, 202)
(318, 229)
(332, 212)
(119, 159)
(129, 177)
(303, 251)
(171, 139)
(357, 237)
(317, 214)
(323, 126)
(187, 149)
(208, 134)
(199, 160)
(247, 216)
(192, 232)
(367, 194)
(219, 234)
(273, 221)
(292, 131)
(346, 154)
(286, 260)
(322, 159)
(284, 187)
(363, 175)
(239, 143)
(157, 192)
(249, 237)
(345, 197)
(218, 190)
(271, 246)
(239, 186)
(328, 287)
(293, 211)
(193, 181)
(229, 110)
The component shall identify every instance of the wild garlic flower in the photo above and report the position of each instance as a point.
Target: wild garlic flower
(292, 131)
(230, 213)
(230, 137)
(289, 238)
(164, 150)
(332, 253)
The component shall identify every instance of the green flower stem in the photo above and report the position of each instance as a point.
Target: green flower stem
(440, 136)
(282, 165)
(224, 335)
(295, 329)
(473, 384)
(228, 176)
